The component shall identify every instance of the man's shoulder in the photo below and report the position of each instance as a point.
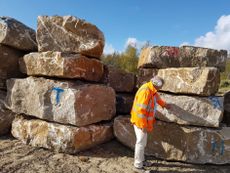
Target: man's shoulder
(144, 87)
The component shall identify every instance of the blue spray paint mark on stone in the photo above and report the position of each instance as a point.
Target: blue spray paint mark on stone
(215, 102)
(213, 144)
(59, 91)
(222, 147)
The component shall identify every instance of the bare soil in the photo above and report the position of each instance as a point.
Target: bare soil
(111, 157)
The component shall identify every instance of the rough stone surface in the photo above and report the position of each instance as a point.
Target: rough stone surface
(58, 137)
(119, 80)
(15, 34)
(63, 65)
(190, 110)
(9, 66)
(194, 80)
(170, 141)
(6, 116)
(69, 34)
(124, 103)
(227, 108)
(185, 56)
(61, 101)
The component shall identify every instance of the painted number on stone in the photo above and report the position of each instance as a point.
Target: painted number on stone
(215, 146)
(58, 93)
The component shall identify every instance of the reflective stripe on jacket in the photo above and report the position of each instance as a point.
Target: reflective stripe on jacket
(144, 106)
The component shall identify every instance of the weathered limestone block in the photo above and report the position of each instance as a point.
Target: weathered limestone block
(15, 34)
(190, 110)
(61, 138)
(69, 34)
(170, 141)
(185, 56)
(9, 66)
(119, 80)
(61, 101)
(63, 65)
(6, 116)
(194, 80)
(227, 108)
(124, 103)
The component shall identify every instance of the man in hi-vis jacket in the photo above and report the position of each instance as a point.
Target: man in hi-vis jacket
(142, 116)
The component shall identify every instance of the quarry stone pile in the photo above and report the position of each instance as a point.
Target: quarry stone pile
(15, 39)
(192, 130)
(193, 89)
(74, 107)
(69, 98)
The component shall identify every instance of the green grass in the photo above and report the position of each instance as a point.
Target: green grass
(225, 79)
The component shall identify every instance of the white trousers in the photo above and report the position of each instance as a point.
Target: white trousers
(141, 141)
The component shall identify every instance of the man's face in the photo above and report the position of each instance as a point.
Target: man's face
(158, 88)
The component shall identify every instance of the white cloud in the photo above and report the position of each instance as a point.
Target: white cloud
(185, 44)
(219, 38)
(135, 43)
(109, 49)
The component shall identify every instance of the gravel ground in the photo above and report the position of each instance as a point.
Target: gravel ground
(111, 157)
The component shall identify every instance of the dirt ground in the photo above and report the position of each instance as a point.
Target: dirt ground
(111, 157)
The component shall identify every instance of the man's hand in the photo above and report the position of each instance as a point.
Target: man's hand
(167, 106)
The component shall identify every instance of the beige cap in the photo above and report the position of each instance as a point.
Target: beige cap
(157, 81)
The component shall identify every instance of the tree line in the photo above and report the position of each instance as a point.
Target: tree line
(126, 60)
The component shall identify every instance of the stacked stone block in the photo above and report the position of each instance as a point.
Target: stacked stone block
(15, 40)
(62, 105)
(124, 84)
(191, 130)
(226, 119)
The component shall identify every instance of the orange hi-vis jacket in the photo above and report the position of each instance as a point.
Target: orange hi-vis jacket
(144, 106)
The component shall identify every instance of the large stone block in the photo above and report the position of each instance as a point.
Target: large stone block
(124, 103)
(9, 66)
(170, 141)
(194, 80)
(185, 56)
(69, 34)
(61, 101)
(6, 116)
(190, 110)
(15, 34)
(58, 137)
(119, 80)
(227, 108)
(63, 65)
